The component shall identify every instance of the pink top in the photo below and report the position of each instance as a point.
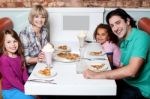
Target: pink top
(111, 48)
(13, 76)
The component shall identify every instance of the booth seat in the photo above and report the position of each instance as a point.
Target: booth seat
(5, 23)
(144, 24)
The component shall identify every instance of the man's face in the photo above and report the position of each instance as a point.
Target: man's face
(119, 26)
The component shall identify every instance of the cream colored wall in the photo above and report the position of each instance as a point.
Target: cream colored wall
(19, 16)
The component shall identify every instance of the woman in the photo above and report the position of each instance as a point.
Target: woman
(35, 36)
(135, 58)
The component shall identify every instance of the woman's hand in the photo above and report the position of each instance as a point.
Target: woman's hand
(41, 57)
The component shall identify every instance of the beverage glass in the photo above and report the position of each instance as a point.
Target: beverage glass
(81, 41)
(81, 66)
(81, 45)
(81, 37)
(48, 59)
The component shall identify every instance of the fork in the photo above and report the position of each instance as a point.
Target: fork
(42, 81)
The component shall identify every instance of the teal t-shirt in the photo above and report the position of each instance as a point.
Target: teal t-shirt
(137, 44)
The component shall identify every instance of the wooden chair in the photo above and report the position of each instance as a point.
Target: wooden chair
(144, 24)
(5, 23)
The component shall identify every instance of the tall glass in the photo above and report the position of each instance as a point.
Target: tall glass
(81, 64)
(81, 41)
(48, 51)
(48, 59)
(81, 38)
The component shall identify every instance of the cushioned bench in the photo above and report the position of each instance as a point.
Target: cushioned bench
(5, 23)
(144, 24)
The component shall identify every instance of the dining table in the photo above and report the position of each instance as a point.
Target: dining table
(64, 79)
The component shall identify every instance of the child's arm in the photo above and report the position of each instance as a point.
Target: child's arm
(110, 58)
(25, 74)
(10, 76)
(107, 47)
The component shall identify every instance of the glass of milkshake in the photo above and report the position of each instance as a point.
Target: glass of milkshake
(81, 64)
(48, 52)
(81, 37)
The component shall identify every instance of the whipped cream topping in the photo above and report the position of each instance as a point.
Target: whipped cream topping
(82, 35)
(48, 48)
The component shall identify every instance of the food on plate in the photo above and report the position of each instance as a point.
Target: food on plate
(63, 47)
(95, 53)
(70, 56)
(45, 72)
(97, 67)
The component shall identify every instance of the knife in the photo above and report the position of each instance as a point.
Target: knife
(94, 59)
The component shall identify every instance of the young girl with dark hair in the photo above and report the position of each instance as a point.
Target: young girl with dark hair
(12, 66)
(109, 42)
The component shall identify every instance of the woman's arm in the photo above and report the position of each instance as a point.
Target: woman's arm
(31, 60)
(34, 60)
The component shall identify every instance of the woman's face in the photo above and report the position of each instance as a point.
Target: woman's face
(119, 26)
(102, 35)
(38, 21)
(11, 44)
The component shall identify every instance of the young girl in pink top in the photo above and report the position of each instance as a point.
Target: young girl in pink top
(12, 66)
(109, 42)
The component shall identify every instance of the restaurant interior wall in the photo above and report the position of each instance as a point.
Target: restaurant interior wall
(19, 16)
(76, 3)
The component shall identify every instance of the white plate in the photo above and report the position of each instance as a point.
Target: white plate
(89, 55)
(53, 74)
(62, 50)
(93, 47)
(103, 68)
(58, 58)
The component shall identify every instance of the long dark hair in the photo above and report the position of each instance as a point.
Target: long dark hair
(123, 14)
(112, 37)
(11, 32)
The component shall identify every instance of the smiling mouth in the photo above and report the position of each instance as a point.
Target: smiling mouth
(13, 48)
(118, 32)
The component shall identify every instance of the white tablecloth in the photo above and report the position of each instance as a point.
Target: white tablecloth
(69, 82)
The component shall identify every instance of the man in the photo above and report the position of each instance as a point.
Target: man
(135, 58)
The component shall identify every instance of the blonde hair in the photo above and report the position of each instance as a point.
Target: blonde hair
(38, 10)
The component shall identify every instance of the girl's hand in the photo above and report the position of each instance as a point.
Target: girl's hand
(41, 57)
(88, 74)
